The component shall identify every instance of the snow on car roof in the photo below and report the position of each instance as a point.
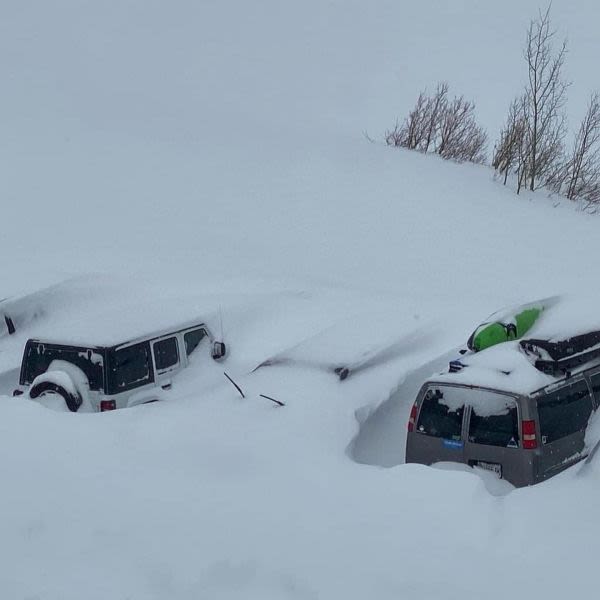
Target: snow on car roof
(117, 338)
(570, 316)
(505, 367)
(106, 312)
(120, 324)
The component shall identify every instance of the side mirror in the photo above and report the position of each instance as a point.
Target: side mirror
(218, 350)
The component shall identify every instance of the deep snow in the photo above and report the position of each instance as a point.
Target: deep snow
(209, 156)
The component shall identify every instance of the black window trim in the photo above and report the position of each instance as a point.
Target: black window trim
(110, 353)
(152, 338)
(158, 341)
(190, 330)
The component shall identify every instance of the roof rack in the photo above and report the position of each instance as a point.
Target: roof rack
(556, 358)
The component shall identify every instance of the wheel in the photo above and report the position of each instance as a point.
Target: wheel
(43, 388)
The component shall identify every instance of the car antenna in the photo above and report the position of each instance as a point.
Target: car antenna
(221, 322)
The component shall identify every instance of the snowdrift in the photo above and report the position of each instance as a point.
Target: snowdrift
(211, 158)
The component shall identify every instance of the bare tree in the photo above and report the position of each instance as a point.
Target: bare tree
(409, 134)
(531, 144)
(582, 172)
(413, 130)
(460, 138)
(523, 153)
(545, 96)
(434, 113)
(436, 124)
(509, 148)
(393, 137)
(420, 128)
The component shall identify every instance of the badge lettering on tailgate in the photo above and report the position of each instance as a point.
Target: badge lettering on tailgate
(454, 444)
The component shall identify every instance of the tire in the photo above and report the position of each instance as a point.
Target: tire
(73, 402)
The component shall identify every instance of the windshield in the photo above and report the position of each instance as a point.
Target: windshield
(39, 356)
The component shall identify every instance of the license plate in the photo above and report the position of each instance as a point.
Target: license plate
(488, 466)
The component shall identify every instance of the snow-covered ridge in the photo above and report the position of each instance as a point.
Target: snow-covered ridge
(214, 151)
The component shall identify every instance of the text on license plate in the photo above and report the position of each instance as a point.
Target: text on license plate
(488, 466)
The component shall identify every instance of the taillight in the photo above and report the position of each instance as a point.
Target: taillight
(529, 435)
(107, 405)
(413, 418)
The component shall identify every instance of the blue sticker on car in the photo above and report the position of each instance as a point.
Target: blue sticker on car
(454, 444)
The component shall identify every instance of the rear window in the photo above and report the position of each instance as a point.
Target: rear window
(441, 413)
(39, 356)
(131, 367)
(494, 420)
(564, 411)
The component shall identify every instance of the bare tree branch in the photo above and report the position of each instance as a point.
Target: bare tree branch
(582, 170)
(545, 97)
(509, 148)
(442, 126)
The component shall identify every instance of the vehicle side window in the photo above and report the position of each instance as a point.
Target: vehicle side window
(564, 411)
(439, 419)
(131, 367)
(166, 354)
(192, 339)
(498, 427)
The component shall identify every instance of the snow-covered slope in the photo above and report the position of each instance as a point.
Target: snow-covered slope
(210, 156)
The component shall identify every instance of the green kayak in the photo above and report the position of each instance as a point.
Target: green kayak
(508, 325)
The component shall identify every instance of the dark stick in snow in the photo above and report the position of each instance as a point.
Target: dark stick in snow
(237, 387)
(272, 400)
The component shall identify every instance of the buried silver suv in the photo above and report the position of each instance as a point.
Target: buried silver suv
(524, 434)
(119, 374)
